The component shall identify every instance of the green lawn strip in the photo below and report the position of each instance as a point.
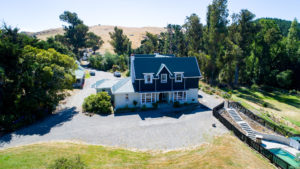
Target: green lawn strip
(37, 156)
(87, 74)
(258, 97)
(265, 116)
(226, 151)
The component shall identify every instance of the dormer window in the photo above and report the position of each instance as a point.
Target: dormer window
(178, 76)
(148, 78)
(163, 78)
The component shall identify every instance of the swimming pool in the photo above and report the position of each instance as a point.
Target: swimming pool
(289, 158)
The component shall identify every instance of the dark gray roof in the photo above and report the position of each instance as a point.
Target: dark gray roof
(143, 56)
(188, 65)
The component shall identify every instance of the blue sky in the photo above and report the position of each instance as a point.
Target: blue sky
(37, 15)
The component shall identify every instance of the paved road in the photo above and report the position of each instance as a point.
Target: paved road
(142, 130)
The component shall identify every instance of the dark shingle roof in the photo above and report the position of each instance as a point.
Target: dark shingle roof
(143, 56)
(188, 65)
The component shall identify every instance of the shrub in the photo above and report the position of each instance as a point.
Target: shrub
(254, 87)
(155, 105)
(265, 104)
(284, 78)
(65, 163)
(115, 68)
(176, 104)
(127, 73)
(135, 103)
(97, 103)
(185, 103)
(144, 107)
(226, 95)
(293, 92)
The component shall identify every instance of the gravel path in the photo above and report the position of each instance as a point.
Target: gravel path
(139, 130)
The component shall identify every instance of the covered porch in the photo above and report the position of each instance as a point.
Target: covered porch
(163, 97)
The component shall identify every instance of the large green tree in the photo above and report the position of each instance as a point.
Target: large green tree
(194, 33)
(149, 44)
(216, 32)
(241, 33)
(120, 42)
(32, 79)
(76, 34)
(94, 41)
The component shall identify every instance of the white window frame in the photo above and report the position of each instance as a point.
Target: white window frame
(180, 97)
(146, 75)
(181, 77)
(148, 98)
(164, 80)
(127, 97)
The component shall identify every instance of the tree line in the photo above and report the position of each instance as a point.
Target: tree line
(244, 51)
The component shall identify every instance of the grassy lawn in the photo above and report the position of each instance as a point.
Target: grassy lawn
(87, 74)
(222, 152)
(275, 106)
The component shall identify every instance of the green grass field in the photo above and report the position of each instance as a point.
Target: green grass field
(276, 106)
(222, 152)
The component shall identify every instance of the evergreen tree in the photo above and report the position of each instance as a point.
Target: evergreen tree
(216, 32)
(120, 42)
(194, 33)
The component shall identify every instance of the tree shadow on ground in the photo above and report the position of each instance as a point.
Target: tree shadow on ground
(42, 127)
(171, 112)
(283, 99)
(252, 97)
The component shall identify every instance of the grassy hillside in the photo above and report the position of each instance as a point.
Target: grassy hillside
(277, 106)
(223, 152)
(135, 34)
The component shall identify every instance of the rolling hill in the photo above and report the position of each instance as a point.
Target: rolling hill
(135, 34)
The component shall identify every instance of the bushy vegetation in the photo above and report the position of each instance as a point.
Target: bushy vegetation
(155, 105)
(109, 61)
(77, 35)
(68, 163)
(99, 103)
(176, 104)
(33, 77)
(242, 52)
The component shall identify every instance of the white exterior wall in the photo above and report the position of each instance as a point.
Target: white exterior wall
(121, 102)
(192, 94)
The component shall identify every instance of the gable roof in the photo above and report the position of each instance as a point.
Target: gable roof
(162, 66)
(188, 65)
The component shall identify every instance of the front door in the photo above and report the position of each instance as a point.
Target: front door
(163, 97)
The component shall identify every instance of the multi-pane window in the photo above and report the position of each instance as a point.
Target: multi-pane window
(163, 78)
(178, 77)
(126, 97)
(148, 78)
(148, 98)
(179, 96)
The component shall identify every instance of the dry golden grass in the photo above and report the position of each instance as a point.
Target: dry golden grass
(135, 34)
(223, 152)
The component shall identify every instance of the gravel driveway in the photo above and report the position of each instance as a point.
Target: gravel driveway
(140, 130)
